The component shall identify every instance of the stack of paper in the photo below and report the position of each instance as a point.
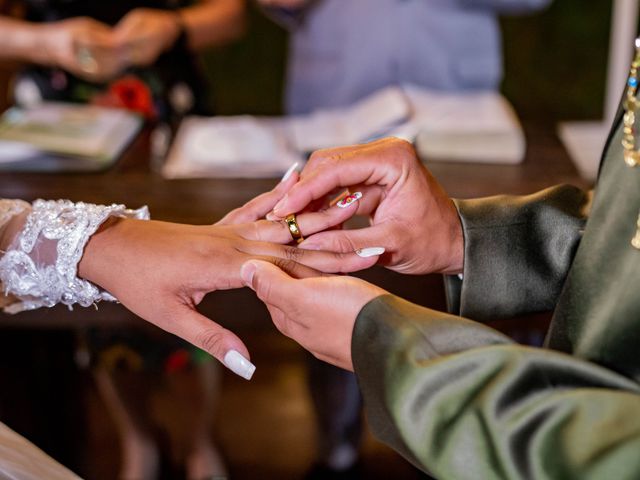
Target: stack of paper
(53, 136)
(470, 127)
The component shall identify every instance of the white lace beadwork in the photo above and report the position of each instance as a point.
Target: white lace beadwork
(38, 282)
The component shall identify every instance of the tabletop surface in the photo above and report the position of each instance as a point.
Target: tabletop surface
(201, 201)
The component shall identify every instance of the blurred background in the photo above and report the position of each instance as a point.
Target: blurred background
(555, 70)
(565, 45)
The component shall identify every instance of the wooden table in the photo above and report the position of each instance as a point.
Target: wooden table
(44, 400)
(203, 201)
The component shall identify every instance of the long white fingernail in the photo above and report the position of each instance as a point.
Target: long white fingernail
(349, 199)
(289, 172)
(280, 204)
(239, 365)
(369, 252)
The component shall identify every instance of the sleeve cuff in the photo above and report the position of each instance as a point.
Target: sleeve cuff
(518, 250)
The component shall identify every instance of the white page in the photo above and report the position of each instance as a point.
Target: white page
(357, 123)
(465, 126)
(462, 112)
(240, 146)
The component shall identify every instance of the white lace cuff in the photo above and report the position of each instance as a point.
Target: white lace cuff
(40, 268)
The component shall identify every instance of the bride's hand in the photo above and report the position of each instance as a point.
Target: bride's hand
(162, 271)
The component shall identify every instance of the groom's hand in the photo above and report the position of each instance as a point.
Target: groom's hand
(319, 313)
(412, 217)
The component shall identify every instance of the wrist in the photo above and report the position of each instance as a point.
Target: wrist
(91, 265)
(29, 43)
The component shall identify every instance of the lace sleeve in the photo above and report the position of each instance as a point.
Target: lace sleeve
(40, 267)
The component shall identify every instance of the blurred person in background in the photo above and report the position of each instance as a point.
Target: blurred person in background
(138, 55)
(78, 50)
(341, 51)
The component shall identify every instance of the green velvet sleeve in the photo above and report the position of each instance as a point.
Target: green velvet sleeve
(462, 401)
(518, 250)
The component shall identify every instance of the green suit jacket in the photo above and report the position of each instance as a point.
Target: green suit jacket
(463, 401)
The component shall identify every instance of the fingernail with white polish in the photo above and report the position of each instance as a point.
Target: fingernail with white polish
(289, 172)
(349, 200)
(280, 204)
(239, 365)
(369, 252)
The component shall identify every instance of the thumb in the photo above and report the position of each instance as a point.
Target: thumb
(269, 282)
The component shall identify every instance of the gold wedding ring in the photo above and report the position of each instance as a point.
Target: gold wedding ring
(294, 229)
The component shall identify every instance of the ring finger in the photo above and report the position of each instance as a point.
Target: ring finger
(308, 223)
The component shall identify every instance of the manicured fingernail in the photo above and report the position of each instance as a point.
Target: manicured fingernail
(271, 217)
(369, 252)
(289, 172)
(279, 205)
(239, 365)
(246, 273)
(349, 200)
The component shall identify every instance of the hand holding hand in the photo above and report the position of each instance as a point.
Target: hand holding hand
(162, 271)
(412, 217)
(145, 33)
(319, 313)
(83, 47)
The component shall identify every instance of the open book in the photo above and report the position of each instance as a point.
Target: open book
(372, 117)
(471, 127)
(59, 136)
(467, 127)
(240, 147)
(246, 146)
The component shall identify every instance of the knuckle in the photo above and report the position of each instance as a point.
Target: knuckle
(319, 155)
(227, 219)
(293, 254)
(257, 231)
(325, 158)
(344, 243)
(282, 325)
(284, 264)
(407, 150)
(210, 340)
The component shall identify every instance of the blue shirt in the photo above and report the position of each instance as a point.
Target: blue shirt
(343, 50)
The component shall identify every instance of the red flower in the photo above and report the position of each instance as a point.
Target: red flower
(178, 360)
(128, 92)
